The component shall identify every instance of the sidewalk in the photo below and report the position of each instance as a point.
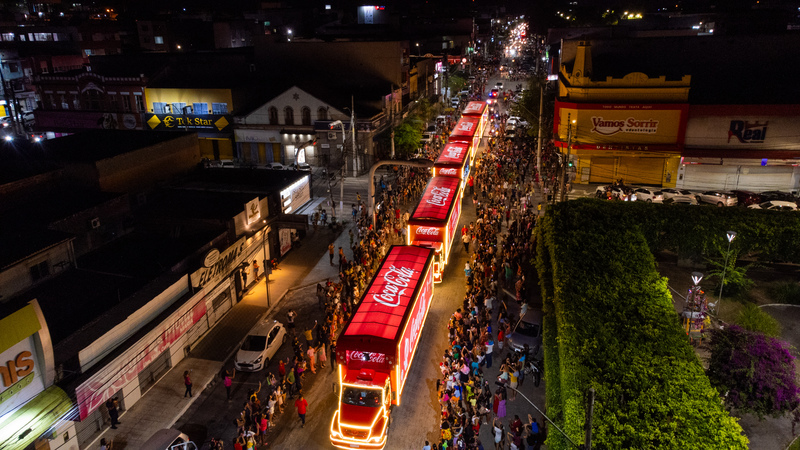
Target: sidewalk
(163, 404)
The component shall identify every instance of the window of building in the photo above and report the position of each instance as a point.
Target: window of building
(158, 39)
(13, 67)
(139, 102)
(219, 108)
(126, 102)
(52, 101)
(305, 113)
(76, 103)
(91, 99)
(40, 271)
(288, 116)
(64, 104)
(273, 115)
(8, 36)
(179, 108)
(159, 107)
(113, 102)
(200, 108)
(322, 114)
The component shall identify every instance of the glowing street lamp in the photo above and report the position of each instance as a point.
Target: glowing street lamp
(697, 277)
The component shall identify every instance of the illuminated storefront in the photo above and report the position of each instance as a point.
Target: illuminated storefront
(30, 405)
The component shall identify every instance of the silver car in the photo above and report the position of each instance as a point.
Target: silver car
(677, 193)
(718, 198)
(527, 331)
(260, 346)
(648, 195)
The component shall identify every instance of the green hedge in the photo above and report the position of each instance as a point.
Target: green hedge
(770, 236)
(610, 324)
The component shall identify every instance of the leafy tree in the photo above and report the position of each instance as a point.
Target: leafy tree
(736, 281)
(406, 140)
(754, 373)
(457, 84)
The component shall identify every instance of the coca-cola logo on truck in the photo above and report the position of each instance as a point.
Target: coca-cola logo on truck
(396, 281)
(465, 126)
(378, 358)
(450, 172)
(439, 196)
(427, 231)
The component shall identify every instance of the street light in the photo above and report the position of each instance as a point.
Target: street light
(697, 277)
(731, 235)
(418, 50)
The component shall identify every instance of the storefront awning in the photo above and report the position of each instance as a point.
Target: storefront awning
(20, 427)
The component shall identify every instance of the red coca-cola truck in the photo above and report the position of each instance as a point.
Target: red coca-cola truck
(375, 350)
(435, 220)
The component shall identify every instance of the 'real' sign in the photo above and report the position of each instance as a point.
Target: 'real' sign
(746, 132)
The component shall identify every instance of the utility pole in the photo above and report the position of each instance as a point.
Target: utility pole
(353, 134)
(539, 147)
(587, 445)
(565, 162)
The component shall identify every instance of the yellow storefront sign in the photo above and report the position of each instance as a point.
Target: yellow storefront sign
(656, 124)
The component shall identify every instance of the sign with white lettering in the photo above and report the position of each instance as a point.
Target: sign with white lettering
(744, 127)
(437, 199)
(220, 264)
(407, 346)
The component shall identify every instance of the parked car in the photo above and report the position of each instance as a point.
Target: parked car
(778, 195)
(648, 195)
(677, 193)
(276, 166)
(776, 205)
(516, 121)
(260, 345)
(527, 331)
(718, 198)
(680, 201)
(5, 121)
(747, 198)
(303, 167)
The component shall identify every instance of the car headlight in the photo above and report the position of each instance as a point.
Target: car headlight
(258, 360)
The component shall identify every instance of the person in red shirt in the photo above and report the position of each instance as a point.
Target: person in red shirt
(301, 404)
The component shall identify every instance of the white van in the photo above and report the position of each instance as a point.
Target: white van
(169, 439)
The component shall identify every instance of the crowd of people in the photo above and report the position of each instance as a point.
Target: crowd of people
(480, 373)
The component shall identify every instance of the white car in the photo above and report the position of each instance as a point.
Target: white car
(648, 195)
(276, 166)
(260, 346)
(718, 198)
(676, 193)
(775, 205)
(516, 121)
(499, 85)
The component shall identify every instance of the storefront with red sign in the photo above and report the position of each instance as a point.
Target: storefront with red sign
(435, 220)
(741, 147)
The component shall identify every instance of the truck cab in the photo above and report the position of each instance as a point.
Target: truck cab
(365, 400)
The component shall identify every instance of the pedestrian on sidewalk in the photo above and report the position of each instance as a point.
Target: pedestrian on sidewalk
(301, 404)
(187, 381)
(112, 404)
(106, 445)
(309, 334)
(229, 382)
(312, 358)
(333, 354)
(321, 355)
(255, 270)
(330, 252)
(290, 316)
(465, 238)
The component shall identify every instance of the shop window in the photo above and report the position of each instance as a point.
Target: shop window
(40, 271)
(200, 108)
(306, 115)
(273, 115)
(219, 108)
(139, 102)
(159, 107)
(288, 116)
(322, 114)
(179, 108)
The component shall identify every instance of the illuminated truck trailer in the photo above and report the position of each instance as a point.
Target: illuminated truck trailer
(435, 220)
(453, 162)
(376, 347)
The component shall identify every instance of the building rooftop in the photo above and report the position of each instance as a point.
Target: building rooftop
(724, 69)
(96, 145)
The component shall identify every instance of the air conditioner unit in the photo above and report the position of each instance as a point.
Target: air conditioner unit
(331, 135)
(96, 222)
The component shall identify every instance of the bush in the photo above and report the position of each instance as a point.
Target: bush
(786, 292)
(752, 318)
(755, 372)
(610, 323)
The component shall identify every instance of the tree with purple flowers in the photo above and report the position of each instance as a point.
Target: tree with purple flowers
(753, 372)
